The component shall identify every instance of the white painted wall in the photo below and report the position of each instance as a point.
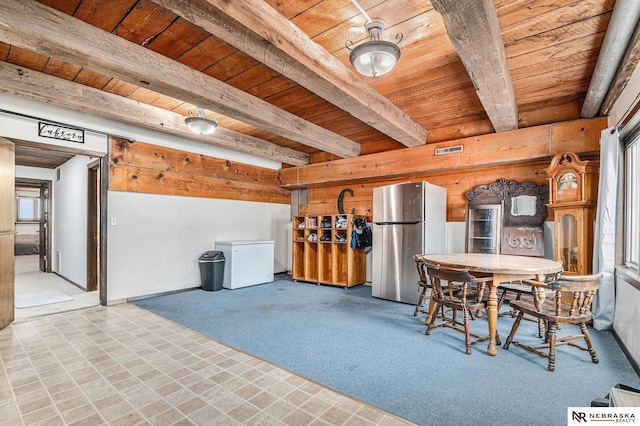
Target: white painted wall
(627, 317)
(35, 173)
(156, 243)
(69, 227)
(456, 235)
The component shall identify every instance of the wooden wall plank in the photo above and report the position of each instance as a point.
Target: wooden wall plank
(460, 131)
(520, 155)
(161, 158)
(566, 112)
(142, 167)
(576, 136)
(323, 200)
(480, 152)
(153, 181)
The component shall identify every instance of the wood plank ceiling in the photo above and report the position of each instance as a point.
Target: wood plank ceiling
(277, 72)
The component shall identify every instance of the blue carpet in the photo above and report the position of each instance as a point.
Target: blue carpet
(376, 351)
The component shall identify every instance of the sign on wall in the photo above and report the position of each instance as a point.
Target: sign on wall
(55, 131)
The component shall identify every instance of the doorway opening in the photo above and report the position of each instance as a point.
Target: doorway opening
(33, 205)
(62, 269)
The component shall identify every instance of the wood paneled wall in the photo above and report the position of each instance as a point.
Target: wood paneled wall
(323, 200)
(520, 155)
(142, 167)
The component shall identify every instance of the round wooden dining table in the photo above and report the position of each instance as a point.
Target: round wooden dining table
(504, 268)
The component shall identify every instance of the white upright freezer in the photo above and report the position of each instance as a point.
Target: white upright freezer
(246, 262)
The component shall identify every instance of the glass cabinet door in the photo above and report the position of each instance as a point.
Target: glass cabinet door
(567, 242)
(483, 228)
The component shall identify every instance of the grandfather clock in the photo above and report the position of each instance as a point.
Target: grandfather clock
(573, 191)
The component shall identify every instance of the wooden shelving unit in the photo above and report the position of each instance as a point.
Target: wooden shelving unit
(322, 252)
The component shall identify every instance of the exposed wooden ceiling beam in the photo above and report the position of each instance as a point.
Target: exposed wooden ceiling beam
(56, 91)
(257, 29)
(36, 27)
(474, 31)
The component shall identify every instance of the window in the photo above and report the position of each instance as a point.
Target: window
(632, 207)
(28, 209)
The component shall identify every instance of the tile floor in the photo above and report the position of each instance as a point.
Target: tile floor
(29, 279)
(122, 365)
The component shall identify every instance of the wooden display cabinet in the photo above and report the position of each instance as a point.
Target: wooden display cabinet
(321, 251)
(506, 217)
(484, 223)
(573, 187)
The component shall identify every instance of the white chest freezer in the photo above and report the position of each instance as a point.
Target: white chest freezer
(246, 262)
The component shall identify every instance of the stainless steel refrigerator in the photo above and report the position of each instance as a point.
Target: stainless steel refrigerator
(408, 218)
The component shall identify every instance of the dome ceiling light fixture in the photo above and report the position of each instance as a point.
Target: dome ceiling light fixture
(201, 124)
(375, 57)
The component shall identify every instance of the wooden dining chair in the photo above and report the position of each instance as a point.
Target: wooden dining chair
(457, 290)
(424, 284)
(517, 290)
(569, 301)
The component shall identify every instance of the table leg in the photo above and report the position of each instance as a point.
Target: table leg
(492, 315)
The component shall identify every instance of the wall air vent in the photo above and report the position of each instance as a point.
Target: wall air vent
(449, 150)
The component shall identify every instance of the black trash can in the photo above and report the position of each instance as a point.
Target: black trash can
(212, 270)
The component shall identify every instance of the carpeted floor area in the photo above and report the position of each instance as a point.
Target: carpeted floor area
(376, 351)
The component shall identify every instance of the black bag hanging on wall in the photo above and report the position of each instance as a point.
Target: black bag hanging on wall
(361, 236)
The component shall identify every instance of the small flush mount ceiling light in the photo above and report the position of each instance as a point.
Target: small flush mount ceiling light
(374, 57)
(201, 124)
